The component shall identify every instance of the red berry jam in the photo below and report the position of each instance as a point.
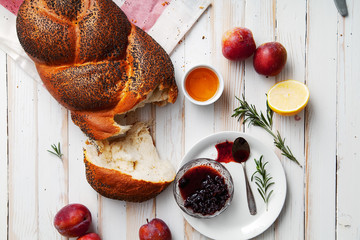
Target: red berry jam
(204, 190)
(230, 152)
(224, 152)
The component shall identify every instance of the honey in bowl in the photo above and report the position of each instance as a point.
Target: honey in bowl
(201, 84)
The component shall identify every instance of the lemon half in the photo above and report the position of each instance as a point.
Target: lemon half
(288, 97)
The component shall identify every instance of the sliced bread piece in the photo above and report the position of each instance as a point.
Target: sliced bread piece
(127, 168)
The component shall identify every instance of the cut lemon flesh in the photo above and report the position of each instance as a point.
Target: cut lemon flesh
(288, 97)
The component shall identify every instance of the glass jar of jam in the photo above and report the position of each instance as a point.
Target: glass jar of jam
(203, 188)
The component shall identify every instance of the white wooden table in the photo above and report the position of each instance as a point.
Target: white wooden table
(323, 197)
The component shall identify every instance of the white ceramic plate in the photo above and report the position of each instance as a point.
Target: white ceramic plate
(236, 222)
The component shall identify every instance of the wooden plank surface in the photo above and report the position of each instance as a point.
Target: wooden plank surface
(260, 18)
(322, 198)
(52, 171)
(3, 148)
(290, 224)
(348, 128)
(23, 154)
(320, 132)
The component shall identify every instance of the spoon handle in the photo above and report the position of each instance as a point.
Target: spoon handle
(249, 194)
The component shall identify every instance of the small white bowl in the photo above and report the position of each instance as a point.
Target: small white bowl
(218, 93)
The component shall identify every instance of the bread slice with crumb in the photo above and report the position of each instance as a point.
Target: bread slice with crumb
(127, 168)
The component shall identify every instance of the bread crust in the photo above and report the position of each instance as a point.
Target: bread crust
(93, 60)
(114, 184)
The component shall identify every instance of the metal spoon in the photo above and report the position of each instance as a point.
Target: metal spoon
(241, 152)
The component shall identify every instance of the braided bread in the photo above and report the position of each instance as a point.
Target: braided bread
(99, 66)
(94, 61)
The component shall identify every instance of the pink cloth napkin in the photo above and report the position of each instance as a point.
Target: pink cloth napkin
(11, 5)
(142, 13)
(166, 21)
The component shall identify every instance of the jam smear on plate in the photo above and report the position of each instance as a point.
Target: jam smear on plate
(224, 150)
(204, 190)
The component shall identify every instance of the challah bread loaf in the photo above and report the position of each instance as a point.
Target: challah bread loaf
(128, 168)
(94, 61)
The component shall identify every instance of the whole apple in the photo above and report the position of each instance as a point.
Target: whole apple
(270, 58)
(90, 236)
(238, 43)
(73, 220)
(156, 229)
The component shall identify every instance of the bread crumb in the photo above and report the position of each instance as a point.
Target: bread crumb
(165, 3)
(201, 7)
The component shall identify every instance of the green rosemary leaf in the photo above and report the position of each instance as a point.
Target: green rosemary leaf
(262, 180)
(267, 199)
(285, 150)
(252, 176)
(262, 196)
(267, 186)
(269, 113)
(265, 164)
(260, 187)
(57, 150)
(267, 180)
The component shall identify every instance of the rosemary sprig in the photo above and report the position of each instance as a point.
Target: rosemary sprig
(264, 181)
(57, 150)
(249, 113)
(285, 150)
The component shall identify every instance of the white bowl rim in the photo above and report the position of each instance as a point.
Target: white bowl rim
(218, 93)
